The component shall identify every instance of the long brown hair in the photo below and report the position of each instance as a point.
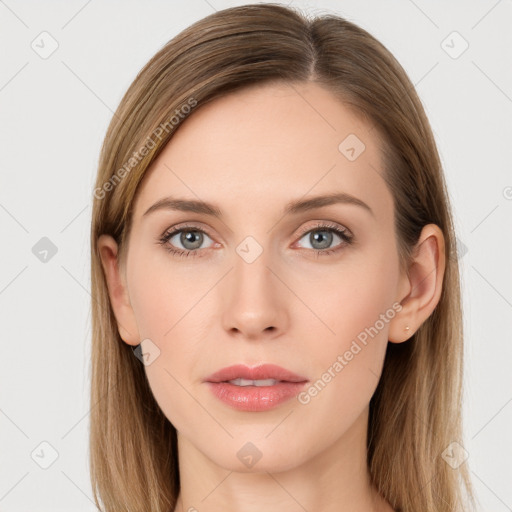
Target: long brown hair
(415, 413)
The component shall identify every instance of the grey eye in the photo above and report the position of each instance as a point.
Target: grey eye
(189, 238)
(320, 238)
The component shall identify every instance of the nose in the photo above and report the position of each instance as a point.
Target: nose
(254, 300)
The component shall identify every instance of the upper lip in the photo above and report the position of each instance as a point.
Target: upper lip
(261, 372)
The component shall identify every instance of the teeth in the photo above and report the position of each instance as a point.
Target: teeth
(247, 382)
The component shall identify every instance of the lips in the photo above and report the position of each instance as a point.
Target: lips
(257, 389)
(262, 372)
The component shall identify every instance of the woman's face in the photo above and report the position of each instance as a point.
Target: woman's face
(258, 285)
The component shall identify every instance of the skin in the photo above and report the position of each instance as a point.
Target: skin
(265, 146)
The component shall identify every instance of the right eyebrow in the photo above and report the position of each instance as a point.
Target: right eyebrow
(185, 205)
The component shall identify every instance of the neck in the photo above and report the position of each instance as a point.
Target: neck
(333, 480)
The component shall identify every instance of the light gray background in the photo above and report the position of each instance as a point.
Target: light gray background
(53, 116)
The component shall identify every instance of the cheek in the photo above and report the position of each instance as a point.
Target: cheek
(169, 306)
(353, 296)
(162, 291)
(355, 306)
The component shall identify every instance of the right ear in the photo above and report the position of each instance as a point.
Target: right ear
(118, 291)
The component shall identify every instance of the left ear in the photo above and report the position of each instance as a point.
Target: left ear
(423, 284)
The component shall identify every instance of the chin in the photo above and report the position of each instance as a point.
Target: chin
(256, 455)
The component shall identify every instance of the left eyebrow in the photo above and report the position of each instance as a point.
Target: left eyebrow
(301, 205)
(293, 207)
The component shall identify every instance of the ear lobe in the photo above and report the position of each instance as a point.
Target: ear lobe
(425, 282)
(117, 290)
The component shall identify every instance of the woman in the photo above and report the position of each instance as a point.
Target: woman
(277, 320)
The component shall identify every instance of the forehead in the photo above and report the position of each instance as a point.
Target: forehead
(266, 145)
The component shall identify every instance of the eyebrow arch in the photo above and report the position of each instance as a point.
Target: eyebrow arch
(293, 207)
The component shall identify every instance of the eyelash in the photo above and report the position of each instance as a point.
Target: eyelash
(344, 234)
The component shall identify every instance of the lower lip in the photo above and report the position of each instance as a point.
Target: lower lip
(255, 398)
